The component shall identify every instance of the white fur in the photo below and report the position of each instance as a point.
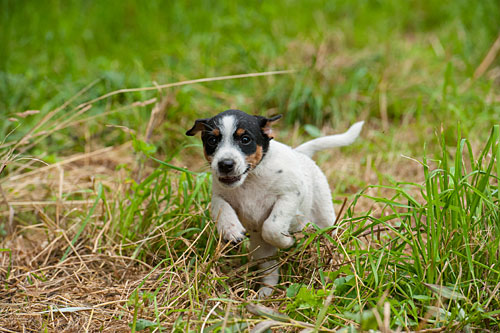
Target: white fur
(331, 141)
(227, 150)
(280, 196)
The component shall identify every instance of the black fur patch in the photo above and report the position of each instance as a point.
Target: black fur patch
(247, 140)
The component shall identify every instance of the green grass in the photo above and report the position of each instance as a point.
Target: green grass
(63, 47)
(410, 254)
(442, 252)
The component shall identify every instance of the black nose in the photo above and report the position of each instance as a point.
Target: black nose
(226, 166)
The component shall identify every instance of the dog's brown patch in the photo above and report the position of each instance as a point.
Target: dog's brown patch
(240, 131)
(216, 132)
(255, 158)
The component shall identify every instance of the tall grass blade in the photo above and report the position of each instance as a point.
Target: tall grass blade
(85, 221)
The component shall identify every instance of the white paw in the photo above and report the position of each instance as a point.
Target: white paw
(287, 242)
(233, 233)
(265, 292)
(279, 240)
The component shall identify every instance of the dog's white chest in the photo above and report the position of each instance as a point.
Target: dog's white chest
(253, 204)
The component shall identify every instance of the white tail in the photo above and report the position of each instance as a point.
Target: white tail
(331, 141)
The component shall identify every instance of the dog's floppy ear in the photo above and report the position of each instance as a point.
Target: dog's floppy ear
(265, 125)
(199, 125)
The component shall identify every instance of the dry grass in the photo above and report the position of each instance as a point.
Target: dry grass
(35, 280)
(93, 289)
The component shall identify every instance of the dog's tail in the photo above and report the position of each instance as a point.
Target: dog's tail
(331, 141)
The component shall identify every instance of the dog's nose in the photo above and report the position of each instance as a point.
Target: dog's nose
(226, 165)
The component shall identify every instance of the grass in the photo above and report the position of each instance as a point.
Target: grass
(443, 251)
(104, 201)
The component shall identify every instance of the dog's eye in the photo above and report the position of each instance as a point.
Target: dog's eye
(245, 139)
(212, 141)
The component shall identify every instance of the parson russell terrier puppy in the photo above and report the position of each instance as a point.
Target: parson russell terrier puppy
(264, 187)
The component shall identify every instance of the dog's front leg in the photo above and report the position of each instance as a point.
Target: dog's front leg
(228, 224)
(276, 228)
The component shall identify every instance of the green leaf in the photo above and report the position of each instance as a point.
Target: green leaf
(293, 290)
(443, 291)
(365, 319)
(422, 297)
(307, 298)
(312, 130)
(143, 147)
(142, 324)
(344, 284)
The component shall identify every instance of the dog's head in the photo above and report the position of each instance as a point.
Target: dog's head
(234, 144)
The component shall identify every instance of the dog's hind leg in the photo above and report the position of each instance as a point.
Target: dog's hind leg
(323, 213)
(259, 249)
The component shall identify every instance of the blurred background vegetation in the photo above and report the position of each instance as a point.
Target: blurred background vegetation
(392, 62)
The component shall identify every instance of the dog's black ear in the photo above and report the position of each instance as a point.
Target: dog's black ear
(199, 125)
(266, 123)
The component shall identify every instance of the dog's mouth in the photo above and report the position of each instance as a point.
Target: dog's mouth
(229, 180)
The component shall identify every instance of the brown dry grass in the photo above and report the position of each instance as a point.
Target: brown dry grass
(34, 279)
(96, 283)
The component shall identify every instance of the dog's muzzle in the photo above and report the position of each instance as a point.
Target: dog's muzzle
(226, 166)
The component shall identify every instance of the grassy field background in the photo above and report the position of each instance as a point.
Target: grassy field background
(104, 201)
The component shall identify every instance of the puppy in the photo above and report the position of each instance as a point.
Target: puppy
(264, 187)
